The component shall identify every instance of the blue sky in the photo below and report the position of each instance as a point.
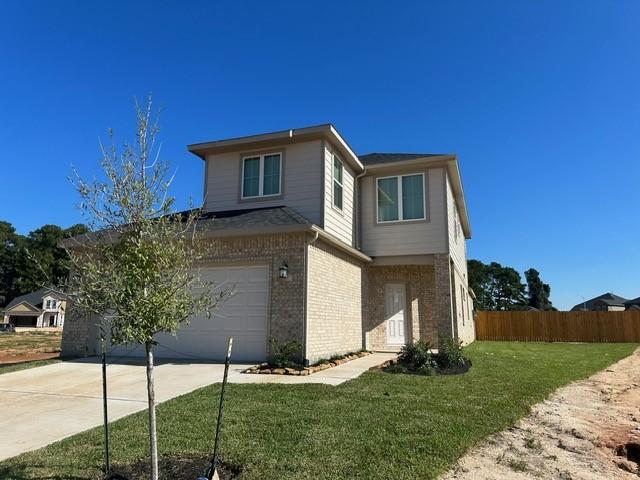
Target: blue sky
(540, 100)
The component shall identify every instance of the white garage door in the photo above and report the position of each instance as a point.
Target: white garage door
(242, 316)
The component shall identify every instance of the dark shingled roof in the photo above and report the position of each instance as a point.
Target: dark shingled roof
(378, 158)
(34, 298)
(251, 217)
(635, 301)
(610, 299)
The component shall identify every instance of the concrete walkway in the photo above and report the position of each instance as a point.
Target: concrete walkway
(46, 404)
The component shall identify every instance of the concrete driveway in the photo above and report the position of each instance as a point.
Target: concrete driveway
(45, 404)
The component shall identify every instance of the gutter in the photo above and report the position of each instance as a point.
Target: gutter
(356, 207)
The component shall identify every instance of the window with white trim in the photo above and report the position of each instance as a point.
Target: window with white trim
(338, 170)
(261, 175)
(401, 198)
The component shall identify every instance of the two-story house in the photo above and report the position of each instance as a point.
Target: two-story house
(336, 250)
(43, 308)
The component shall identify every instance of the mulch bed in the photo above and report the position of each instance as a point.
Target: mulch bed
(265, 368)
(174, 468)
(396, 366)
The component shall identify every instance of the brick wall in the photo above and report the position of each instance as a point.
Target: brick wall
(428, 297)
(286, 296)
(334, 302)
(79, 334)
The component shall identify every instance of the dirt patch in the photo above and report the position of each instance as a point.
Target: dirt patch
(27, 346)
(174, 468)
(14, 359)
(588, 430)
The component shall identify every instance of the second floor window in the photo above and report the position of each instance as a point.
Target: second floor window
(337, 182)
(401, 198)
(261, 175)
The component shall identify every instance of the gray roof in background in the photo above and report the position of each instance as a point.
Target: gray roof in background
(610, 299)
(250, 217)
(635, 301)
(33, 298)
(378, 158)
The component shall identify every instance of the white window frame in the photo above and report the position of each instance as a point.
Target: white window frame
(334, 157)
(261, 176)
(400, 212)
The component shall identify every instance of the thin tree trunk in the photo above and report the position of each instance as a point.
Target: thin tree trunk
(153, 437)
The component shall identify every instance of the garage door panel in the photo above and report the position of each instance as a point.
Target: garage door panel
(242, 316)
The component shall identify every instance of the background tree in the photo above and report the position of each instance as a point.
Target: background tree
(479, 282)
(538, 292)
(507, 289)
(33, 261)
(8, 253)
(496, 287)
(137, 265)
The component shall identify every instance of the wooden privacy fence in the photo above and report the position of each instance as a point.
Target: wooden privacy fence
(559, 326)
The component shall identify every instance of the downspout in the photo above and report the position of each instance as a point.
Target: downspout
(356, 208)
(307, 244)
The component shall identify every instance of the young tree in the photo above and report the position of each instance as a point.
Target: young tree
(136, 267)
(538, 292)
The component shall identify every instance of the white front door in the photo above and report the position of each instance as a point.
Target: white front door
(395, 303)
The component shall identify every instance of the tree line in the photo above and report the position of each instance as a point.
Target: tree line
(29, 262)
(499, 287)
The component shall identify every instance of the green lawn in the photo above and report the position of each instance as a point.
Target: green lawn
(23, 366)
(379, 426)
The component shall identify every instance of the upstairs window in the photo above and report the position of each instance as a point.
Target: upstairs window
(337, 182)
(401, 198)
(261, 175)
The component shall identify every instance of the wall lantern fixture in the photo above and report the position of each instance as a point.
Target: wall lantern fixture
(284, 270)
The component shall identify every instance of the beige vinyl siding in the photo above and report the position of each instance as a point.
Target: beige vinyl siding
(336, 222)
(21, 307)
(301, 181)
(405, 238)
(457, 246)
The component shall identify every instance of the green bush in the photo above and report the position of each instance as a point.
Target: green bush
(284, 355)
(417, 357)
(450, 353)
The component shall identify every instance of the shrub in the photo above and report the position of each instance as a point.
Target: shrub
(285, 354)
(450, 352)
(417, 357)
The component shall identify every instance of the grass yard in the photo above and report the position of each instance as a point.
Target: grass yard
(31, 346)
(378, 426)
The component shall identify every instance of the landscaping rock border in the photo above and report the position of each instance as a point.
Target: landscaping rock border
(266, 369)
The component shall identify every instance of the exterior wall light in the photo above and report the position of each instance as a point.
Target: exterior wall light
(284, 270)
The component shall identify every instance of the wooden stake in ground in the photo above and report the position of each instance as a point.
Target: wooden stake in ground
(213, 473)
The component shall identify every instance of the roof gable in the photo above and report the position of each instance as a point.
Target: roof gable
(23, 306)
(35, 298)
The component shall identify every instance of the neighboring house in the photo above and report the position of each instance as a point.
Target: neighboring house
(607, 302)
(633, 304)
(335, 250)
(43, 308)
